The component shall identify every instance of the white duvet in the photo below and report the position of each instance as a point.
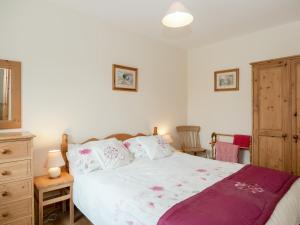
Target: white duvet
(140, 193)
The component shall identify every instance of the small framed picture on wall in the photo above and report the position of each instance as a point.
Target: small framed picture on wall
(227, 80)
(124, 78)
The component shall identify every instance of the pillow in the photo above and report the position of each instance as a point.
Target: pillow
(112, 154)
(135, 148)
(82, 157)
(155, 146)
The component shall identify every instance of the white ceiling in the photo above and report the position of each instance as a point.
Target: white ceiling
(214, 20)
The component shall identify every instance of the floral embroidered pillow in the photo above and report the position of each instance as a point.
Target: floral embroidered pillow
(112, 154)
(82, 157)
(155, 146)
(135, 148)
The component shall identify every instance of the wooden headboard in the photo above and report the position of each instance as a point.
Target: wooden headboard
(121, 137)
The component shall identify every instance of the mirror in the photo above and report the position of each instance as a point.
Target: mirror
(10, 94)
(5, 95)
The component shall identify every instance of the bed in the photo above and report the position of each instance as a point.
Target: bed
(141, 192)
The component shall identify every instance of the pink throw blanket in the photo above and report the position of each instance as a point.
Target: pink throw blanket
(247, 197)
(227, 152)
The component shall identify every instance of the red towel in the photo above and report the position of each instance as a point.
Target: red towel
(227, 152)
(242, 140)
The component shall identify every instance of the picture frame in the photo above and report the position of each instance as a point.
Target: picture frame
(124, 78)
(227, 80)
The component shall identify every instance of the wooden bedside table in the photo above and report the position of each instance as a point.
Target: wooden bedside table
(49, 191)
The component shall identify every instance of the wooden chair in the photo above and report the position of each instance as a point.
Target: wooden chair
(190, 140)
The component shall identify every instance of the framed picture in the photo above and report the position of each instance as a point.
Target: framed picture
(124, 78)
(227, 80)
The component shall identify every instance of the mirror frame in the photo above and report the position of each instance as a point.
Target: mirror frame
(15, 120)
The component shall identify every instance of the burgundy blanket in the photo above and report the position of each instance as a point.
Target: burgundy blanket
(247, 197)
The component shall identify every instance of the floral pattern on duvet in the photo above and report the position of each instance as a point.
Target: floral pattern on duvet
(143, 207)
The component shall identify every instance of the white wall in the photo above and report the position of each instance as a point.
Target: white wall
(66, 76)
(67, 62)
(231, 112)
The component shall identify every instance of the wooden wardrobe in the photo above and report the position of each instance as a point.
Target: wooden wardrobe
(276, 114)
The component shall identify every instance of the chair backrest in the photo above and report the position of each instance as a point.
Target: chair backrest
(189, 136)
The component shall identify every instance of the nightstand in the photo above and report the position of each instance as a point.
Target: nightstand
(49, 191)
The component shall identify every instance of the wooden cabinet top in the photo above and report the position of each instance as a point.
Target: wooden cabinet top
(9, 136)
(43, 182)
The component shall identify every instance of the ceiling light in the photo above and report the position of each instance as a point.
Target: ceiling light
(177, 16)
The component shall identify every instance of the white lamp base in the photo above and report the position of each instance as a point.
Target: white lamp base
(54, 172)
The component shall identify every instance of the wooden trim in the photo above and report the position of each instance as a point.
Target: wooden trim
(236, 70)
(255, 111)
(293, 70)
(64, 150)
(114, 67)
(293, 63)
(15, 121)
(253, 91)
(275, 60)
(123, 137)
(288, 126)
(120, 136)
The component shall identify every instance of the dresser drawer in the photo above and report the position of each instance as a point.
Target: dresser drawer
(24, 221)
(12, 170)
(15, 190)
(13, 211)
(14, 150)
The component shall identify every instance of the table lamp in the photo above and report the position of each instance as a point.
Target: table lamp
(54, 162)
(168, 138)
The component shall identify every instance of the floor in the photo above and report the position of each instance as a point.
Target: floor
(63, 219)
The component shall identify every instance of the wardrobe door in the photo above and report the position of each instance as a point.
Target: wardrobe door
(272, 115)
(295, 71)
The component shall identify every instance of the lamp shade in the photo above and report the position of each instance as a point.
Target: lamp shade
(55, 159)
(177, 16)
(168, 138)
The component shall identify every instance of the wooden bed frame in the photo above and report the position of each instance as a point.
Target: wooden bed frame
(120, 136)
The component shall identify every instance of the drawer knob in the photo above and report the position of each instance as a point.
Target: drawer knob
(4, 215)
(5, 173)
(4, 194)
(5, 151)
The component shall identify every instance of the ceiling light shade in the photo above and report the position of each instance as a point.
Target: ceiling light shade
(177, 16)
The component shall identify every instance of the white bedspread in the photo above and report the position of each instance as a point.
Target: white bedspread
(140, 193)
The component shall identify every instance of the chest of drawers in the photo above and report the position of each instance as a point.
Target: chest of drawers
(16, 179)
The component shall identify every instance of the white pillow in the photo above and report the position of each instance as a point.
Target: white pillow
(112, 154)
(135, 148)
(155, 146)
(83, 158)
